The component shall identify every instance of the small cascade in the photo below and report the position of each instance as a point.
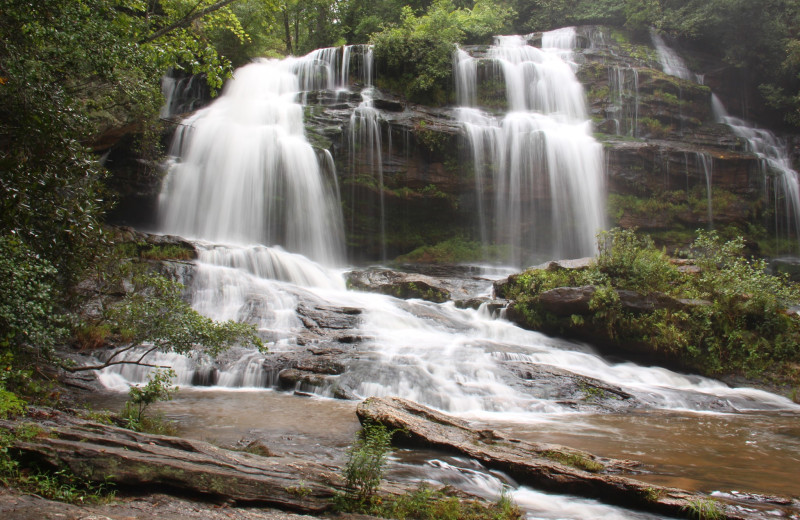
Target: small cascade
(330, 68)
(706, 162)
(780, 179)
(244, 171)
(623, 86)
(182, 94)
(671, 62)
(540, 159)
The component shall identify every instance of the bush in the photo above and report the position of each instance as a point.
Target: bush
(737, 324)
(415, 56)
(27, 314)
(367, 459)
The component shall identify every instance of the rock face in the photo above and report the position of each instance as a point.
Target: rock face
(401, 285)
(103, 453)
(545, 466)
(406, 177)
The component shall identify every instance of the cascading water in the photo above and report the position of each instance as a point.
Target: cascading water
(540, 159)
(244, 171)
(246, 154)
(623, 86)
(671, 62)
(780, 179)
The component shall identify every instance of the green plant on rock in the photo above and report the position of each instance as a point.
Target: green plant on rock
(366, 460)
(705, 509)
(158, 388)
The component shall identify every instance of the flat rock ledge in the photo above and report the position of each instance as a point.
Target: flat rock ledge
(546, 466)
(128, 459)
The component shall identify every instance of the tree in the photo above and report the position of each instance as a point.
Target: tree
(74, 74)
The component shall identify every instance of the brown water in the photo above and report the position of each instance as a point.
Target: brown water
(754, 452)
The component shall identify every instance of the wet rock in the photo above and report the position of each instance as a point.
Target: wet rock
(565, 301)
(492, 306)
(400, 285)
(574, 263)
(321, 317)
(580, 392)
(546, 466)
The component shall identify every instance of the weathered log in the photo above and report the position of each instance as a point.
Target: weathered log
(104, 453)
(544, 466)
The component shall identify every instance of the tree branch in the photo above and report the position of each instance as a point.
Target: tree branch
(110, 361)
(186, 20)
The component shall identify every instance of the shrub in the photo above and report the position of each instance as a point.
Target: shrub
(738, 323)
(367, 459)
(158, 388)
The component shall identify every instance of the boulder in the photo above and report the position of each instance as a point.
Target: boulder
(400, 285)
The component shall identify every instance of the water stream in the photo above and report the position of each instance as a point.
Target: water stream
(248, 187)
(543, 165)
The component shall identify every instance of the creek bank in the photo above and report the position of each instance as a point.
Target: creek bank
(551, 467)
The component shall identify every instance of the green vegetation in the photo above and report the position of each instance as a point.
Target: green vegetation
(363, 472)
(575, 460)
(733, 319)
(705, 509)
(414, 57)
(428, 504)
(366, 460)
(453, 251)
(158, 388)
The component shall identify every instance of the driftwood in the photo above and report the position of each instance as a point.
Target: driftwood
(125, 458)
(544, 466)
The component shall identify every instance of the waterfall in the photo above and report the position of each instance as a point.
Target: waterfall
(780, 178)
(623, 86)
(365, 145)
(671, 62)
(540, 159)
(244, 172)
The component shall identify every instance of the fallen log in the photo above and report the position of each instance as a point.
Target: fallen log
(544, 466)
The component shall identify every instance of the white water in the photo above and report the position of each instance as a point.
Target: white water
(781, 181)
(623, 85)
(435, 354)
(540, 159)
(245, 173)
(671, 62)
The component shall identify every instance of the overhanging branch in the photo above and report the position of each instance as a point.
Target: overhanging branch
(186, 20)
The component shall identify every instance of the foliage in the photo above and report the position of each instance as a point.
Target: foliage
(452, 251)
(426, 503)
(27, 314)
(10, 404)
(417, 52)
(734, 320)
(705, 509)
(158, 388)
(155, 315)
(633, 262)
(366, 460)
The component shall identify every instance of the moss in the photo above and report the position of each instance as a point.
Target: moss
(453, 251)
(575, 460)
